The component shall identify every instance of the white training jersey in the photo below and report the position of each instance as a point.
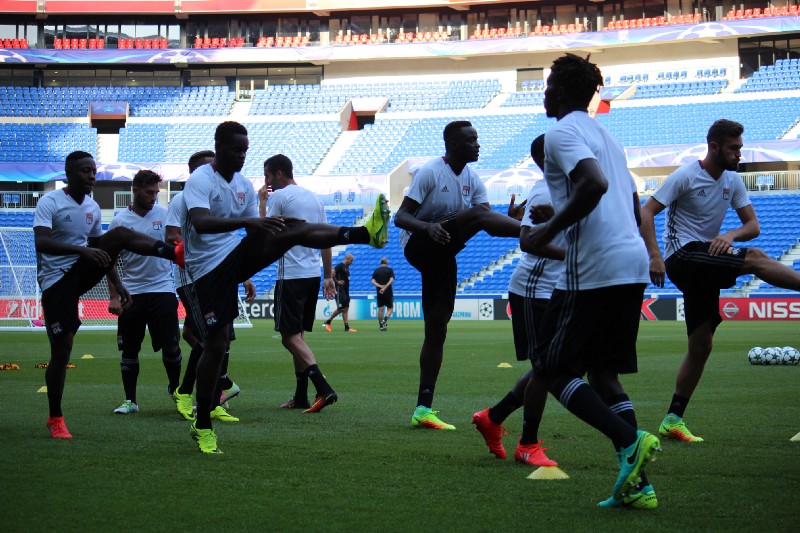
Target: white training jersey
(70, 223)
(697, 203)
(604, 248)
(176, 216)
(140, 273)
(534, 276)
(235, 199)
(295, 201)
(438, 191)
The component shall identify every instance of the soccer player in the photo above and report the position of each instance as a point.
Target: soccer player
(219, 201)
(298, 282)
(445, 206)
(592, 320)
(341, 278)
(382, 279)
(226, 388)
(529, 290)
(152, 304)
(72, 257)
(699, 259)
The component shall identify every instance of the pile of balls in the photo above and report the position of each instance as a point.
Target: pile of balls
(774, 356)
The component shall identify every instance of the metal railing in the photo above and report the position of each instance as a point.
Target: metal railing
(19, 199)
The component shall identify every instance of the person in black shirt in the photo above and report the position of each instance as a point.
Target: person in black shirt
(341, 276)
(382, 278)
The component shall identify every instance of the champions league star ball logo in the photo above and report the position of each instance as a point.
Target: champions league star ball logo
(178, 56)
(487, 310)
(706, 30)
(9, 56)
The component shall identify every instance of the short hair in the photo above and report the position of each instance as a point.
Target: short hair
(143, 178)
(451, 129)
(349, 256)
(724, 129)
(194, 161)
(280, 162)
(228, 129)
(577, 77)
(537, 151)
(76, 156)
(384, 261)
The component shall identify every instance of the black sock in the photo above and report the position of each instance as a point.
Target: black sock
(678, 405)
(346, 326)
(320, 383)
(203, 420)
(582, 401)
(190, 375)
(301, 387)
(162, 249)
(425, 395)
(504, 407)
(350, 235)
(130, 374)
(172, 364)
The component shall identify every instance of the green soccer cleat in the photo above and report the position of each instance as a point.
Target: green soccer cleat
(425, 417)
(631, 461)
(183, 402)
(219, 413)
(127, 408)
(229, 394)
(378, 223)
(674, 427)
(206, 439)
(639, 498)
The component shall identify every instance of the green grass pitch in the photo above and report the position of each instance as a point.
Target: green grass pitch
(359, 466)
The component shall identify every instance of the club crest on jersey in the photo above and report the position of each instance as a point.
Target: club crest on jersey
(240, 198)
(726, 194)
(211, 319)
(158, 225)
(89, 218)
(465, 190)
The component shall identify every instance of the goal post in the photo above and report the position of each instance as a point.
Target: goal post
(20, 297)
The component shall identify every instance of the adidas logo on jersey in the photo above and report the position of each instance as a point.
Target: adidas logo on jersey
(702, 193)
(67, 219)
(444, 189)
(217, 198)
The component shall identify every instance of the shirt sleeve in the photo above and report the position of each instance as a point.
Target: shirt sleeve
(172, 213)
(114, 223)
(197, 192)
(566, 149)
(45, 209)
(672, 188)
(421, 184)
(740, 197)
(275, 204)
(97, 223)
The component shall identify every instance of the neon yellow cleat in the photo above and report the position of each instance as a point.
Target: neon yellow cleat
(639, 498)
(632, 460)
(378, 223)
(219, 413)
(425, 417)
(206, 439)
(674, 427)
(183, 402)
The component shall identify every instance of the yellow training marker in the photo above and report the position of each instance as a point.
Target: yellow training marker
(548, 472)
(87, 356)
(42, 389)
(503, 365)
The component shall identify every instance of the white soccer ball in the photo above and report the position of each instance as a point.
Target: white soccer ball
(755, 354)
(772, 356)
(790, 356)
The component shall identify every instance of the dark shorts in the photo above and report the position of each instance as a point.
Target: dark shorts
(700, 276)
(218, 291)
(592, 329)
(158, 312)
(60, 300)
(187, 296)
(526, 319)
(295, 304)
(437, 265)
(386, 300)
(342, 298)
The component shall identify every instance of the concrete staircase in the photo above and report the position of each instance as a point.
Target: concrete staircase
(345, 141)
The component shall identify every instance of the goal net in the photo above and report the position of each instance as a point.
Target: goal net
(20, 297)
